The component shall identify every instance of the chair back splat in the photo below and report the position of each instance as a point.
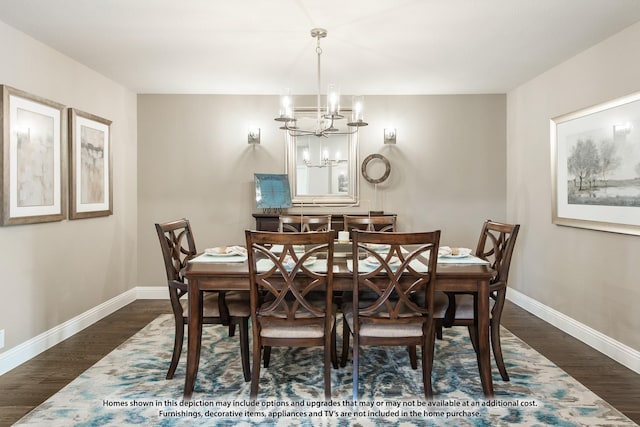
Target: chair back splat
(496, 244)
(370, 223)
(304, 223)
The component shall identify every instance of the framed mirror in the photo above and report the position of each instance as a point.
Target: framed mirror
(322, 169)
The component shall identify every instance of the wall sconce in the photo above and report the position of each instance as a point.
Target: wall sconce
(253, 136)
(390, 135)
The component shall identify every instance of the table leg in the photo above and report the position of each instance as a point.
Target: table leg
(194, 335)
(484, 351)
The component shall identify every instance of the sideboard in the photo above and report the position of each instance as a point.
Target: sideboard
(269, 221)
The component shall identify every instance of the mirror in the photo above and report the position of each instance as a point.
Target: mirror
(322, 170)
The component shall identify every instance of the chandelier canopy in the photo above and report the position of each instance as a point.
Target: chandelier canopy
(324, 118)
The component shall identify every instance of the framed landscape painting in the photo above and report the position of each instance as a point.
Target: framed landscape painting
(595, 167)
(33, 159)
(90, 169)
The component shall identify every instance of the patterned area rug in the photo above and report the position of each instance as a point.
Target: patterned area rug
(128, 387)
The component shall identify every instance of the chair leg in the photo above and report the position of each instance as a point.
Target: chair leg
(473, 335)
(413, 356)
(244, 348)
(345, 343)
(255, 373)
(355, 368)
(496, 345)
(177, 347)
(439, 331)
(267, 356)
(329, 352)
(334, 350)
(428, 349)
(232, 329)
(497, 351)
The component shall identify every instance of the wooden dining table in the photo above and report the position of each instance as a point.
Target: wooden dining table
(450, 277)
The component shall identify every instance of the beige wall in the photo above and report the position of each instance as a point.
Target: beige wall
(447, 169)
(52, 272)
(589, 276)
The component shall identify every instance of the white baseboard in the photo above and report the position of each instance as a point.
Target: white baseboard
(619, 352)
(152, 292)
(36, 345)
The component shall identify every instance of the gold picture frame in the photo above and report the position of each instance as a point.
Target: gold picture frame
(595, 167)
(90, 166)
(33, 158)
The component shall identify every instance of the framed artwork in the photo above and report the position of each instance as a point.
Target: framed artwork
(33, 159)
(272, 191)
(90, 169)
(595, 167)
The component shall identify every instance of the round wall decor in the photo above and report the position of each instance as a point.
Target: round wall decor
(387, 168)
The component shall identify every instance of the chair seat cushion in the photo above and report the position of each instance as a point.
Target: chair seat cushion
(290, 331)
(237, 303)
(278, 329)
(441, 303)
(464, 306)
(273, 327)
(385, 330)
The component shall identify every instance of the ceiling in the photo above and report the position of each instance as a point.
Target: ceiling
(373, 46)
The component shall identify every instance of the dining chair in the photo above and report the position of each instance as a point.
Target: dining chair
(282, 310)
(386, 223)
(304, 223)
(298, 223)
(369, 223)
(403, 282)
(219, 307)
(496, 243)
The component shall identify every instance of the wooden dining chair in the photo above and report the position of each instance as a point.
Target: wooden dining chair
(298, 223)
(304, 223)
(369, 223)
(282, 310)
(219, 307)
(403, 281)
(496, 243)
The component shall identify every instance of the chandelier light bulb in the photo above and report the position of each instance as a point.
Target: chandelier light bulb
(333, 101)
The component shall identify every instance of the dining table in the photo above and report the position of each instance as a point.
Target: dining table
(452, 275)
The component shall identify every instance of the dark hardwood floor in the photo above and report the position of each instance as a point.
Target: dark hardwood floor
(30, 384)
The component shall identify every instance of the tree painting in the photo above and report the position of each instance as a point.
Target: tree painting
(584, 161)
(608, 159)
(604, 170)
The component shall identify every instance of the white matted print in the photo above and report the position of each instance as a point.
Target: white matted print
(33, 160)
(90, 169)
(595, 156)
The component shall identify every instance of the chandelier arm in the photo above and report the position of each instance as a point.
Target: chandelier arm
(300, 132)
(327, 134)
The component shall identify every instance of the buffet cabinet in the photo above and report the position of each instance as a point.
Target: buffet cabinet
(269, 221)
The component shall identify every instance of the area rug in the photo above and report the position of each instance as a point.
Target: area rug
(128, 387)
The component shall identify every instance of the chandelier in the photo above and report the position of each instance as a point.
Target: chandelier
(325, 120)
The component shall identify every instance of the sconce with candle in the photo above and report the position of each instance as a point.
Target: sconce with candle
(253, 136)
(390, 135)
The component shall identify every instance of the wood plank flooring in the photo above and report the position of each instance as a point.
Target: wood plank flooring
(30, 384)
